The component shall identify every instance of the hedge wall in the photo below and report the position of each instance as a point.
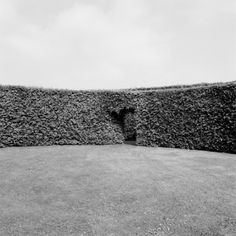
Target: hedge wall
(193, 118)
(31, 116)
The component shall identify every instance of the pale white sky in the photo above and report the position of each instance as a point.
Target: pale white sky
(103, 44)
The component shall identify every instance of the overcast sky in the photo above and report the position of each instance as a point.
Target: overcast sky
(95, 44)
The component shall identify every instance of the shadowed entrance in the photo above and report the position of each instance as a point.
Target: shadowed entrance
(126, 120)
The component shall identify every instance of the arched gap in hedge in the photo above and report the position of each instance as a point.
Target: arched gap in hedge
(125, 118)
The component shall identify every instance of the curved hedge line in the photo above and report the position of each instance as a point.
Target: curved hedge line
(194, 117)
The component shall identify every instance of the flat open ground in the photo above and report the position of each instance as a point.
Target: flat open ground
(116, 190)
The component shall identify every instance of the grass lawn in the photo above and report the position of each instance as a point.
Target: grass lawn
(116, 190)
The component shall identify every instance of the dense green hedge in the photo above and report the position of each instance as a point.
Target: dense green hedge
(193, 118)
(44, 117)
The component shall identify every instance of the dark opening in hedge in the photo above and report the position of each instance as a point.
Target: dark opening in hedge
(125, 118)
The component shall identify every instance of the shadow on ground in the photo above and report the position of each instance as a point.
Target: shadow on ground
(133, 143)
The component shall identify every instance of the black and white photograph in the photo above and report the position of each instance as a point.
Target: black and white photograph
(117, 118)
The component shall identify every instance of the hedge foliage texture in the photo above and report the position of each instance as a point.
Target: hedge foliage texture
(198, 117)
(46, 117)
(192, 118)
